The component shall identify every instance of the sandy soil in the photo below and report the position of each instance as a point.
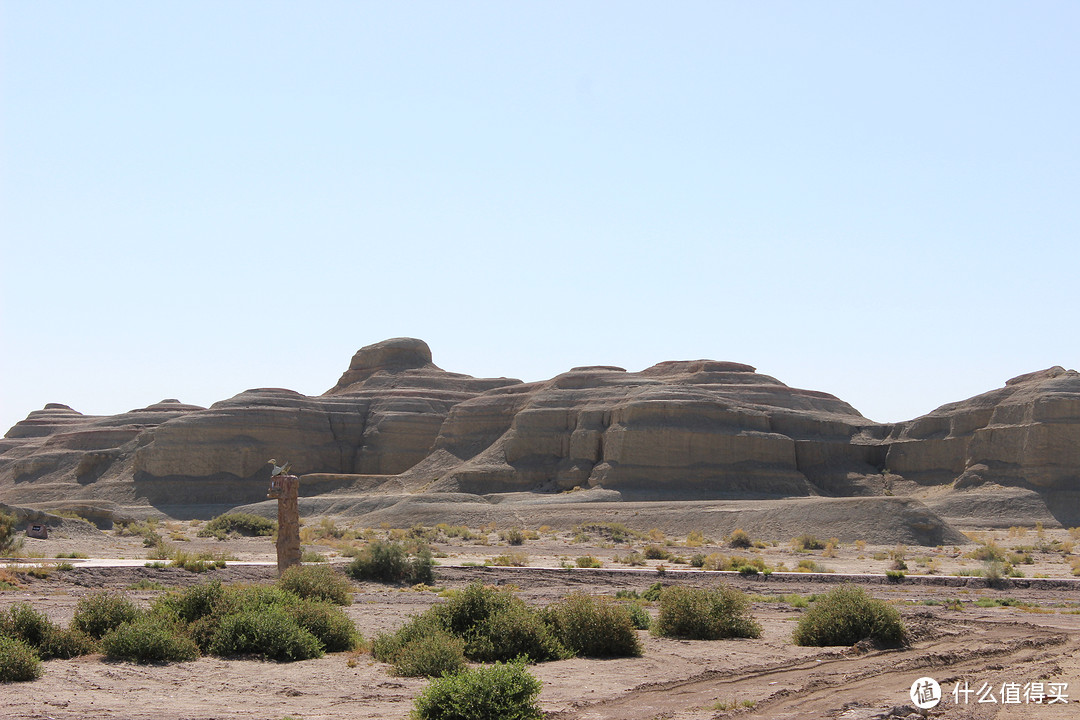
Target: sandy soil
(767, 677)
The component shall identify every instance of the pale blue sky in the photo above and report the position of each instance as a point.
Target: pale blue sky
(877, 200)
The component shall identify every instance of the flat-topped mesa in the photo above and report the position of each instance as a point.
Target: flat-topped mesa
(1026, 433)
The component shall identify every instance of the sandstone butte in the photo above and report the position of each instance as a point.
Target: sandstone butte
(401, 439)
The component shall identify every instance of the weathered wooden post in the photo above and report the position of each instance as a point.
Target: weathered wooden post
(286, 488)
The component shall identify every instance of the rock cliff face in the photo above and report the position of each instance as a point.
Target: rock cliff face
(395, 422)
(678, 429)
(1025, 434)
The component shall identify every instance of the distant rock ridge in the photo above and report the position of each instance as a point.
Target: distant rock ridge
(688, 429)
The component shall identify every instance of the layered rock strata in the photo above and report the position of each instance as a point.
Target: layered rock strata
(395, 423)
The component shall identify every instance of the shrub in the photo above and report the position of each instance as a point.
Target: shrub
(639, 616)
(101, 612)
(196, 562)
(656, 552)
(699, 614)
(241, 523)
(514, 536)
(388, 561)
(149, 638)
(503, 691)
(258, 619)
(192, 603)
(811, 566)
(588, 561)
(328, 624)
(270, 633)
(317, 583)
(653, 593)
(512, 632)
(18, 662)
(987, 552)
(430, 656)
(846, 615)
(614, 531)
(386, 646)
(807, 542)
(739, 538)
(513, 559)
(9, 538)
(594, 627)
(22, 622)
(493, 624)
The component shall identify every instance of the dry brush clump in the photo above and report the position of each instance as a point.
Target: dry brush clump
(390, 561)
(316, 582)
(502, 691)
(486, 624)
(248, 524)
(847, 615)
(18, 661)
(594, 627)
(698, 614)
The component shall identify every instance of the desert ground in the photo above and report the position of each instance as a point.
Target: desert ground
(961, 632)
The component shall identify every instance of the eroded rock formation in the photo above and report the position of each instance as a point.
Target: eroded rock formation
(1026, 434)
(396, 423)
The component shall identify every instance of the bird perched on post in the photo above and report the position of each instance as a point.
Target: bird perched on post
(276, 469)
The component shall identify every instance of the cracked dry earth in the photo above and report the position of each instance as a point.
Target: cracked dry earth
(762, 678)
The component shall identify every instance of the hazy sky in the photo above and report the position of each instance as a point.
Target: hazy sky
(876, 200)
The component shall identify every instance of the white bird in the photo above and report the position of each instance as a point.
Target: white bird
(278, 469)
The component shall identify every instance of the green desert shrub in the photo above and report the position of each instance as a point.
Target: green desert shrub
(698, 614)
(386, 646)
(512, 632)
(18, 661)
(317, 582)
(100, 612)
(49, 640)
(261, 620)
(9, 537)
(150, 638)
(493, 625)
(594, 627)
(191, 603)
(328, 624)
(653, 593)
(240, 523)
(846, 615)
(269, 632)
(500, 691)
(432, 655)
(639, 616)
(656, 552)
(389, 562)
